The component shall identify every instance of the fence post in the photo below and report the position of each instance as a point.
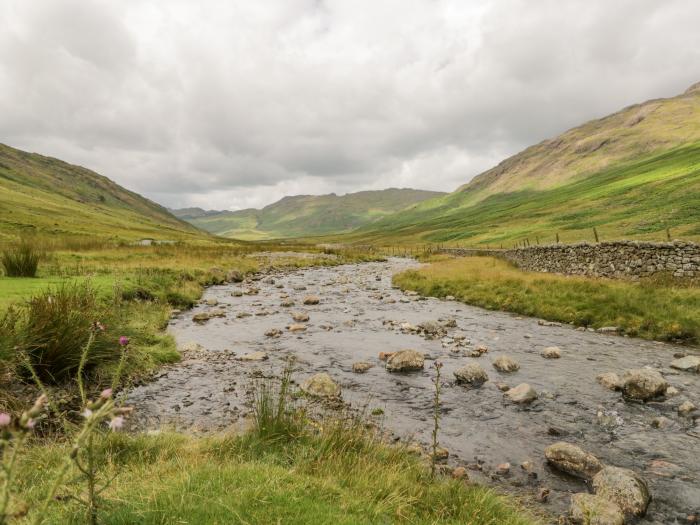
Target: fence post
(557, 237)
(595, 234)
(668, 234)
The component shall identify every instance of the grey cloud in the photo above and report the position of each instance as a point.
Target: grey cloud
(233, 103)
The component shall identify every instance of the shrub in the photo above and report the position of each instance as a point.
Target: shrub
(52, 329)
(21, 259)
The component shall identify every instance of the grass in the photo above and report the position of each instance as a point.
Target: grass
(653, 309)
(20, 260)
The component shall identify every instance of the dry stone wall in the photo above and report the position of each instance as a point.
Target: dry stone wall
(619, 259)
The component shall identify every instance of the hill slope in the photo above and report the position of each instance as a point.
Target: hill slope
(631, 174)
(44, 194)
(307, 215)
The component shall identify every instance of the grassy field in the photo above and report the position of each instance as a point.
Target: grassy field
(652, 309)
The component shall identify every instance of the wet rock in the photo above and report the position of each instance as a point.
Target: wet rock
(573, 460)
(608, 330)
(211, 302)
(287, 303)
(460, 473)
(432, 329)
(361, 367)
(237, 293)
(671, 391)
(543, 495)
(384, 356)
(503, 387)
(300, 317)
(471, 374)
(273, 332)
(542, 322)
(610, 380)
(688, 363)
(505, 364)
(321, 385)
(521, 394)
(592, 509)
(312, 299)
(686, 408)
(502, 469)
(241, 315)
(551, 352)
(296, 327)
(624, 487)
(251, 291)
(478, 351)
(449, 323)
(643, 384)
(661, 422)
(405, 361)
(234, 276)
(201, 317)
(299, 288)
(440, 454)
(253, 356)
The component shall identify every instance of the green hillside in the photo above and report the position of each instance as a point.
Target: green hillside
(307, 215)
(630, 175)
(46, 195)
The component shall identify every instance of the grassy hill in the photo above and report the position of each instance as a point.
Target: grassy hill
(46, 195)
(306, 215)
(631, 174)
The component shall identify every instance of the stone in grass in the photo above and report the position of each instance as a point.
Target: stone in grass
(505, 364)
(592, 509)
(551, 352)
(405, 361)
(471, 374)
(573, 460)
(521, 394)
(643, 384)
(624, 487)
(321, 385)
(361, 367)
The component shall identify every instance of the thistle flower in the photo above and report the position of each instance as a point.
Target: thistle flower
(116, 423)
(98, 326)
(4, 419)
(87, 413)
(123, 340)
(106, 393)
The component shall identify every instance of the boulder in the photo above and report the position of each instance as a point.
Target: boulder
(472, 374)
(361, 367)
(300, 317)
(253, 356)
(624, 487)
(610, 380)
(405, 361)
(551, 352)
(573, 460)
(591, 509)
(689, 363)
(521, 394)
(312, 299)
(643, 384)
(321, 385)
(505, 364)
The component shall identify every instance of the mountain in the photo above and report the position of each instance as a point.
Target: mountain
(307, 215)
(191, 213)
(47, 195)
(631, 174)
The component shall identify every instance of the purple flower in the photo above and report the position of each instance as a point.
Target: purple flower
(123, 340)
(116, 423)
(4, 419)
(106, 393)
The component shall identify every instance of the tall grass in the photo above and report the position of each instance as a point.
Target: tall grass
(21, 259)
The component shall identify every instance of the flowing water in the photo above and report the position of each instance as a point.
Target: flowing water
(359, 316)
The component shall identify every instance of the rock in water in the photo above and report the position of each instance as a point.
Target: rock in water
(312, 299)
(202, 317)
(624, 487)
(572, 460)
(591, 509)
(521, 394)
(253, 356)
(506, 364)
(643, 384)
(472, 374)
(405, 361)
(689, 363)
(300, 317)
(296, 327)
(686, 408)
(234, 276)
(610, 380)
(551, 352)
(321, 385)
(361, 367)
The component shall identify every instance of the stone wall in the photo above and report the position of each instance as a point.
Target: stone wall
(620, 259)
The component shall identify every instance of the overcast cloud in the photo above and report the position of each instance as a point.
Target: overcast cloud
(236, 103)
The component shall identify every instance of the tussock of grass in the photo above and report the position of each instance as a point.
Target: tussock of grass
(21, 259)
(650, 309)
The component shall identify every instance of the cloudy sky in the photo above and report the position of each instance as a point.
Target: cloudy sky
(236, 103)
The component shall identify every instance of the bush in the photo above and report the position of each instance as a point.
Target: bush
(52, 329)
(21, 260)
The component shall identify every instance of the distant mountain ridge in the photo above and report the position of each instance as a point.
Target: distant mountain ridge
(48, 195)
(306, 215)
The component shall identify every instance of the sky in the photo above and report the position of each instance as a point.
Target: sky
(229, 104)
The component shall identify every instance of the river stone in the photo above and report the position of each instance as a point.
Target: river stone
(405, 361)
(624, 487)
(192, 348)
(384, 356)
(689, 363)
(300, 317)
(521, 394)
(573, 460)
(273, 332)
(686, 408)
(610, 380)
(253, 356)
(312, 299)
(672, 391)
(505, 364)
(201, 317)
(361, 367)
(321, 385)
(643, 384)
(296, 327)
(551, 352)
(288, 303)
(211, 302)
(234, 276)
(592, 509)
(472, 374)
